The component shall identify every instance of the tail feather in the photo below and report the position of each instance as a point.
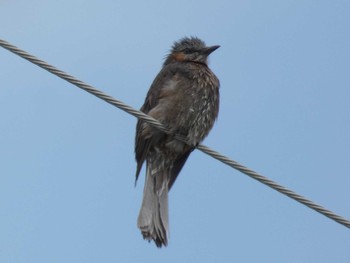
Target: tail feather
(153, 216)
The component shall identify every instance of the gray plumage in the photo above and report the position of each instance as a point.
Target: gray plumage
(185, 98)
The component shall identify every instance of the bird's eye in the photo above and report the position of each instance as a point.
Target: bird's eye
(188, 51)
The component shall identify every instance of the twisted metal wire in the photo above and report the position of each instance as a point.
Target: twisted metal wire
(140, 115)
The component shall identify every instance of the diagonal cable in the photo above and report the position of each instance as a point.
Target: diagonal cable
(140, 115)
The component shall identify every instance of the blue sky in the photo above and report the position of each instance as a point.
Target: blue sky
(67, 166)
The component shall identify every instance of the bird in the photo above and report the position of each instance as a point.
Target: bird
(184, 97)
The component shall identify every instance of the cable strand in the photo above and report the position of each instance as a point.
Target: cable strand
(140, 115)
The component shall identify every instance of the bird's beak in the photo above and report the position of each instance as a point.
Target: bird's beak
(208, 50)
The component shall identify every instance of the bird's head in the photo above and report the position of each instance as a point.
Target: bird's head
(189, 49)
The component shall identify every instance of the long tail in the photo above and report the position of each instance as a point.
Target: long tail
(153, 217)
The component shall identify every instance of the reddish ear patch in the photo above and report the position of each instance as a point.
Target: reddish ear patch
(179, 56)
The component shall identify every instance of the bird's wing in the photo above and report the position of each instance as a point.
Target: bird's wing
(162, 103)
(178, 164)
(144, 139)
